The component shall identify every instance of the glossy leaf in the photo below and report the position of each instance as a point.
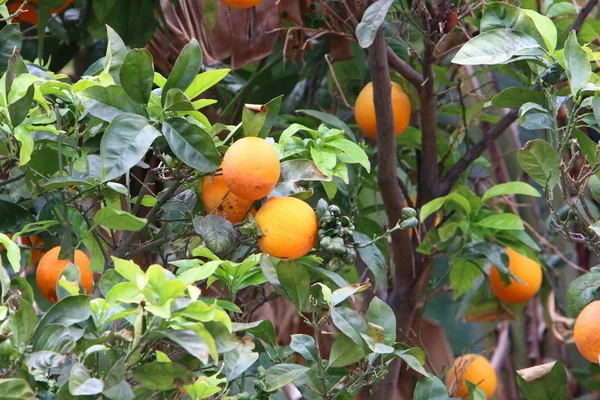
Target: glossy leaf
(218, 233)
(510, 188)
(463, 275)
(582, 291)
(81, 382)
(381, 314)
(577, 64)
(185, 69)
(124, 144)
(493, 47)
(431, 388)
(119, 220)
(15, 388)
(543, 382)
(280, 375)
(305, 346)
(345, 352)
(10, 38)
(350, 323)
(191, 144)
(137, 75)
(539, 159)
(109, 102)
(371, 22)
(502, 221)
(163, 375)
(295, 280)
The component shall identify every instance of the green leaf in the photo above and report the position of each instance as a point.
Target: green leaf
(116, 51)
(352, 152)
(539, 159)
(301, 170)
(272, 109)
(345, 352)
(13, 253)
(295, 280)
(13, 388)
(238, 360)
(218, 233)
(22, 324)
(19, 109)
(10, 38)
(502, 15)
(81, 382)
(330, 119)
(305, 346)
(496, 46)
(509, 188)
(163, 375)
(191, 144)
(325, 159)
(16, 67)
(502, 221)
(67, 312)
(176, 100)
(124, 144)
(252, 122)
(137, 75)
(475, 392)
(582, 291)
(543, 382)
(349, 323)
(379, 313)
(577, 64)
(192, 342)
(371, 21)
(205, 386)
(185, 69)
(374, 259)
(280, 375)
(515, 97)
(204, 81)
(545, 26)
(119, 220)
(262, 329)
(431, 388)
(115, 387)
(431, 207)
(342, 294)
(109, 102)
(463, 275)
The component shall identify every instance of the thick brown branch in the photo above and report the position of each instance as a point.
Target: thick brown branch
(407, 72)
(401, 298)
(583, 14)
(474, 152)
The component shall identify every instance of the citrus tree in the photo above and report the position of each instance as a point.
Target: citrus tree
(146, 246)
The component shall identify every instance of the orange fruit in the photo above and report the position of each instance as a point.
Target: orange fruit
(251, 168)
(364, 110)
(288, 226)
(475, 369)
(527, 270)
(587, 332)
(38, 243)
(50, 268)
(217, 199)
(241, 3)
(30, 14)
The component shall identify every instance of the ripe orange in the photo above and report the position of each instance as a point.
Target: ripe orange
(288, 226)
(251, 168)
(475, 369)
(36, 243)
(586, 333)
(527, 270)
(217, 199)
(364, 110)
(50, 268)
(30, 14)
(241, 3)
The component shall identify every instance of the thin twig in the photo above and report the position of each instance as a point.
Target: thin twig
(583, 14)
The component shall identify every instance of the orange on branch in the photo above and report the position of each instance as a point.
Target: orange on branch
(364, 110)
(50, 268)
(241, 3)
(587, 332)
(289, 227)
(524, 268)
(251, 168)
(475, 369)
(218, 199)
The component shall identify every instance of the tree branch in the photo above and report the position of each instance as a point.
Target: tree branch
(401, 298)
(474, 152)
(583, 14)
(407, 72)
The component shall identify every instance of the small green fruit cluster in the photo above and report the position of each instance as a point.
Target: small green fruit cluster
(336, 236)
